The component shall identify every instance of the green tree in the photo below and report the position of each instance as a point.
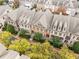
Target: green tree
(38, 37)
(56, 42)
(75, 47)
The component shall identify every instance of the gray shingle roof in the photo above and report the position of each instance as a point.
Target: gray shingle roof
(3, 8)
(45, 19)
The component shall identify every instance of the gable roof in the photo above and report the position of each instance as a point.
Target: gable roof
(44, 19)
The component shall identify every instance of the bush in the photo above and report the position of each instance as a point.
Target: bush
(75, 47)
(24, 34)
(40, 51)
(38, 37)
(5, 38)
(20, 45)
(1, 2)
(6, 1)
(56, 42)
(9, 28)
(65, 53)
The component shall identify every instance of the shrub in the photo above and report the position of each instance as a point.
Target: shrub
(20, 45)
(5, 38)
(5, 35)
(6, 1)
(38, 37)
(40, 51)
(9, 28)
(1, 2)
(75, 47)
(24, 34)
(65, 53)
(56, 42)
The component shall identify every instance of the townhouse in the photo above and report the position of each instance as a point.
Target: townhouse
(49, 24)
(67, 7)
(46, 22)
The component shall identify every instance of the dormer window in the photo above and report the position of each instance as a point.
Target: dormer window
(55, 32)
(54, 26)
(71, 42)
(73, 37)
(3, 18)
(64, 29)
(59, 28)
(60, 34)
(22, 24)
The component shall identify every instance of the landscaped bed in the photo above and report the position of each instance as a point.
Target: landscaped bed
(36, 49)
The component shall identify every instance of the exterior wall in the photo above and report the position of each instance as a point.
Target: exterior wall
(56, 31)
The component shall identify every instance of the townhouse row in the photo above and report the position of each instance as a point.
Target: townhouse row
(48, 24)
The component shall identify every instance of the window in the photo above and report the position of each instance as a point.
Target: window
(9, 21)
(47, 35)
(3, 18)
(71, 42)
(22, 24)
(7, 11)
(73, 37)
(25, 25)
(64, 35)
(61, 38)
(55, 32)
(52, 35)
(67, 38)
(66, 41)
(78, 38)
(54, 27)
(60, 34)
(64, 29)
(59, 28)
(12, 22)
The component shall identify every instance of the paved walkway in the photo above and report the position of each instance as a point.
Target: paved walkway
(10, 54)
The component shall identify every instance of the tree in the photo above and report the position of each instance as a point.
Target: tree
(38, 37)
(75, 47)
(56, 42)
(65, 53)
